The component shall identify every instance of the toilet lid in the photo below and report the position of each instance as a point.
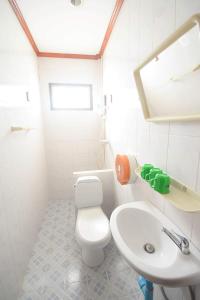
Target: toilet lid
(92, 226)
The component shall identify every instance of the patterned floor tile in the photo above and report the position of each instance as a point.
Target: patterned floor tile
(53, 293)
(124, 282)
(77, 291)
(56, 270)
(98, 286)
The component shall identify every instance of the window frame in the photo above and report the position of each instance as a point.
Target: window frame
(90, 86)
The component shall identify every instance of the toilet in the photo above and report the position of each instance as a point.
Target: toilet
(92, 225)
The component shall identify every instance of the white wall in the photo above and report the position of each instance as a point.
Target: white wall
(174, 147)
(72, 137)
(23, 189)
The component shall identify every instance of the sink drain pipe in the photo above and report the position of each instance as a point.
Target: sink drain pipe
(146, 287)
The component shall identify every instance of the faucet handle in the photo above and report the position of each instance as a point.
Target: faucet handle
(181, 237)
(184, 243)
(181, 241)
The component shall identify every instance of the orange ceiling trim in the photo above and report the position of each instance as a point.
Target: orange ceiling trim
(24, 25)
(111, 24)
(109, 30)
(68, 55)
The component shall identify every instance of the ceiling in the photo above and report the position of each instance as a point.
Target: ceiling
(55, 26)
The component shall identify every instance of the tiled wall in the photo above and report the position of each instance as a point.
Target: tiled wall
(174, 147)
(23, 188)
(72, 137)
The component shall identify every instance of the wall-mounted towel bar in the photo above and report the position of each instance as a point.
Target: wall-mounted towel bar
(18, 128)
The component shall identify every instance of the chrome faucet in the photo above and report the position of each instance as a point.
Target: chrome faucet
(179, 240)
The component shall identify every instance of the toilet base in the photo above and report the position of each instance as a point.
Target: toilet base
(93, 257)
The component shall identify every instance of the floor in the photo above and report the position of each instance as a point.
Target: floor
(56, 271)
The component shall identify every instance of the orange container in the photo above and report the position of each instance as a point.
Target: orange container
(123, 170)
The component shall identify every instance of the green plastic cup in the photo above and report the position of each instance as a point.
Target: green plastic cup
(162, 183)
(145, 170)
(152, 174)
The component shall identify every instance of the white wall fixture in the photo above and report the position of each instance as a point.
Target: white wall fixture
(168, 79)
(19, 128)
(76, 2)
(92, 226)
(125, 166)
(180, 195)
(107, 178)
(152, 253)
(14, 95)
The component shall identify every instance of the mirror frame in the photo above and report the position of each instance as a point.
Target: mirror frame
(188, 25)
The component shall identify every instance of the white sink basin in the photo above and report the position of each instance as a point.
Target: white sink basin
(137, 223)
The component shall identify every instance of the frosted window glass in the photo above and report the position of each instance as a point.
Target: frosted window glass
(71, 96)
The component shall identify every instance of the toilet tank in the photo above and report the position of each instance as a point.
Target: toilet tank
(88, 192)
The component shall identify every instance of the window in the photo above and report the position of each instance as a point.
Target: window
(70, 96)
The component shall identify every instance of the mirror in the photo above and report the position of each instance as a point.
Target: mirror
(168, 81)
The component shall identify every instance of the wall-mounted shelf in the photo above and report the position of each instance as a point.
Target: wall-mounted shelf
(180, 195)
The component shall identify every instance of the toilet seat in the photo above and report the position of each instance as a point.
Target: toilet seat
(92, 227)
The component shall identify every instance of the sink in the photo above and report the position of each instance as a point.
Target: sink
(137, 231)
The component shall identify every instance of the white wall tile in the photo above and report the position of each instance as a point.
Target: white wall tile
(141, 191)
(23, 185)
(185, 9)
(146, 28)
(182, 219)
(158, 200)
(183, 158)
(164, 20)
(159, 128)
(198, 179)
(196, 229)
(72, 138)
(185, 128)
(174, 146)
(143, 140)
(158, 150)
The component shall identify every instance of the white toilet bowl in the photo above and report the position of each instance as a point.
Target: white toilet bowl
(92, 225)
